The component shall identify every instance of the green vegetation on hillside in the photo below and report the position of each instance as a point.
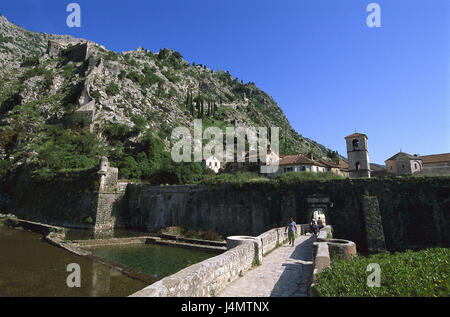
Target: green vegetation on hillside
(140, 98)
(423, 273)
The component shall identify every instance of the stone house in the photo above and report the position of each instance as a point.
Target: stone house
(403, 163)
(338, 167)
(377, 170)
(436, 165)
(301, 163)
(252, 162)
(343, 168)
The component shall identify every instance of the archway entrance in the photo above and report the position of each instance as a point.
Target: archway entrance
(318, 206)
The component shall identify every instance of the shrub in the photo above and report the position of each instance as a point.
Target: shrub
(117, 131)
(30, 61)
(5, 39)
(139, 121)
(96, 95)
(211, 235)
(423, 273)
(296, 177)
(48, 80)
(5, 167)
(67, 149)
(112, 89)
(122, 74)
(111, 56)
(238, 178)
(191, 234)
(32, 72)
(130, 61)
(150, 77)
(134, 76)
(68, 70)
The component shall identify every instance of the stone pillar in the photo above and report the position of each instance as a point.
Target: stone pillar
(108, 196)
(373, 224)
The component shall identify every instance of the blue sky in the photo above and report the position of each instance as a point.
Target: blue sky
(326, 69)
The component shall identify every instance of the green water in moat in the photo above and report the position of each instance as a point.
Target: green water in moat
(30, 267)
(155, 260)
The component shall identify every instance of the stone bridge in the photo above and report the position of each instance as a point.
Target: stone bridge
(261, 266)
(285, 272)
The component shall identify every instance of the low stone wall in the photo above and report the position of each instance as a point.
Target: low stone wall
(275, 237)
(270, 240)
(191, 240)
(206, 278)
(342, 248)
(210, 277)
(321, 256)
(186, 245)
(110, 242)
(37, 227)
(325, 249)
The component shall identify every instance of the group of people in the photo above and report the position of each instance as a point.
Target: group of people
(315, 226)
(291, 228)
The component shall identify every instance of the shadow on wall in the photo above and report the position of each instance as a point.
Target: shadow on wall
(290, 275)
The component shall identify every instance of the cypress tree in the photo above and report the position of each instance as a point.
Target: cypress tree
(202, 111)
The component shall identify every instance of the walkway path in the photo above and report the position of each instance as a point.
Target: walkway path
(285, 272)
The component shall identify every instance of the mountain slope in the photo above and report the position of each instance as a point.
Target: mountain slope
(59, 93)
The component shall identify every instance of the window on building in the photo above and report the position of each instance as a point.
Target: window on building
(358, 166)
(355, 144)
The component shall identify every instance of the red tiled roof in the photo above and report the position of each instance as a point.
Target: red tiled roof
(402, 156)
(343, 164)
(436, 158)
(329, 163)
(299, 159)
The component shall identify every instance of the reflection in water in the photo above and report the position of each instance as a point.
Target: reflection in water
(30, 267)
(103, 234)
(101, 279)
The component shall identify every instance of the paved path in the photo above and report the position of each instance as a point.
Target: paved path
(285, 272)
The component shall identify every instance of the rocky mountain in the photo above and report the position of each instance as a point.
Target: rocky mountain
(55, 88)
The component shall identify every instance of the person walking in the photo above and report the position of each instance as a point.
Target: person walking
(313, 226)
(292, 230)
(320, 223)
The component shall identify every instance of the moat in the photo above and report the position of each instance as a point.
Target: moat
(30, 267)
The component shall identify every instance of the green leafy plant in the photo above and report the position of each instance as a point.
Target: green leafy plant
(112, 89)
(424, 273)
